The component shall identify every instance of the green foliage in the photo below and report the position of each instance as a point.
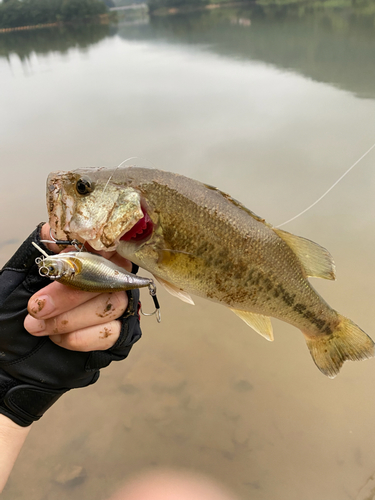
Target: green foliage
(14, 13)
(154, 5)
(75, 9)
(44, 41)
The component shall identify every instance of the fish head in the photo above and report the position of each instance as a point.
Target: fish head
(92, 206)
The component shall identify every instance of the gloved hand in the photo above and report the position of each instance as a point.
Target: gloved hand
(35, 370)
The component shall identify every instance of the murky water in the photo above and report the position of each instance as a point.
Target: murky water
(271, 105)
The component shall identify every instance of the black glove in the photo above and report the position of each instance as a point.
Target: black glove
(35, 372)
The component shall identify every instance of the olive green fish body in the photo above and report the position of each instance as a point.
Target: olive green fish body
(221, 251)
(197, 239)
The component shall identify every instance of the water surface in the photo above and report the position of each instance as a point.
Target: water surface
(271, 105)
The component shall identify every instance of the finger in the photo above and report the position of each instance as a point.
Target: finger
(121, 261)
(46, 237)
(101, 309)
(113, 257)
(93, 338)
(56, 299)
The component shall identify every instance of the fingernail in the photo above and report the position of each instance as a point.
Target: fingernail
(33, 325)
(56, 339)
(41, 306)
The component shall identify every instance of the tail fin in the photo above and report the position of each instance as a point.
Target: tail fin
(348, 341)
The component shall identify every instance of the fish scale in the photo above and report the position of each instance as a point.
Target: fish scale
(206, 243)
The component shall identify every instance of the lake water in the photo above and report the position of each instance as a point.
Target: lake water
(271, 104)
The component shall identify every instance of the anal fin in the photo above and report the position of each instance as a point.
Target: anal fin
(261, 324)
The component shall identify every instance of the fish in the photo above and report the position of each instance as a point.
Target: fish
(196, 239)
(89, 272)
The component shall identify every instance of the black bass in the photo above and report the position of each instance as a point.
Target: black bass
(196, 239)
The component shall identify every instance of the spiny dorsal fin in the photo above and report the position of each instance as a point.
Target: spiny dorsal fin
(261, 324)
(236, 203)
(316, 260)
(175, 291)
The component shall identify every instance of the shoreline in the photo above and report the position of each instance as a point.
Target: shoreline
(103, 18)
(165, 11)
(31, 27)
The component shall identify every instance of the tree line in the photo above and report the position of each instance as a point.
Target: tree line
(191, 5)
(16, 13)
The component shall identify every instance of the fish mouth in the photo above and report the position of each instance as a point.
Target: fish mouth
(141, 231)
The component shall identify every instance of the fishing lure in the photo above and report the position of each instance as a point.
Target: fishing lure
(92, 273)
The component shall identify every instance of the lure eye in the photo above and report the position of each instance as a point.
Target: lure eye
(84, 186)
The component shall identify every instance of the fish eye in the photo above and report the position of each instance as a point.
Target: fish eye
(84, 186)
(51, 269)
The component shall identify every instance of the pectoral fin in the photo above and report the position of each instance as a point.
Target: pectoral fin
(167, 256)
(261, 324)
(316, 260)
(175, 291)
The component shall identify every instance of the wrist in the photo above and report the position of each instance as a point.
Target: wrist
(10, 430)
(12, 437)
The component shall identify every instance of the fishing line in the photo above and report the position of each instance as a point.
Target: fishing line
(115, 170)
(328, 190)
(105, 187)
(80, 246)
(120, 165)
(113, 173)
(152, 287)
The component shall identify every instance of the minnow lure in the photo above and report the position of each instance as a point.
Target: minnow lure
(92, 273)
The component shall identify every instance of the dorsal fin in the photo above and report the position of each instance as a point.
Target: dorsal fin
(236, 203)
(261, 324)
(316, 260)
(175, 291)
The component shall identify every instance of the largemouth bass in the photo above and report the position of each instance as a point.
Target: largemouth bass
(196, 239)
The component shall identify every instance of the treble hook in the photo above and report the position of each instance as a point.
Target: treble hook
(43, 269)
(77, 244)
(152, 291)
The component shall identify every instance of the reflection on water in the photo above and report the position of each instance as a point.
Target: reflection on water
(43, 41)
(249, 100)
(334, 45)
(329, 45)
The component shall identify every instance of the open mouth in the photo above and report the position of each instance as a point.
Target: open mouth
(141, 230)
